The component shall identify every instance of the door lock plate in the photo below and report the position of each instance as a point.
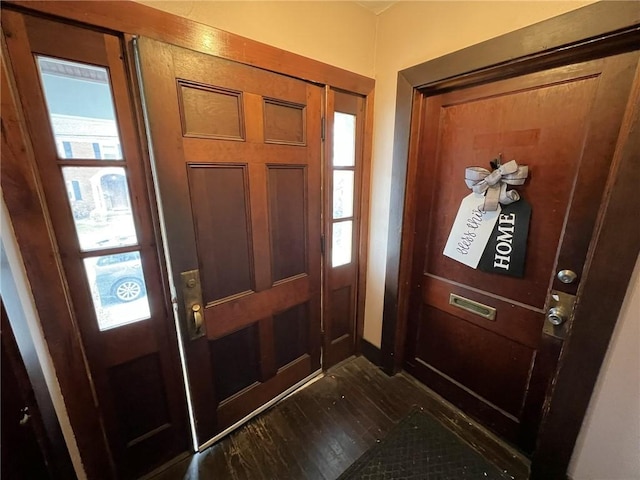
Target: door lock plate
(193, 309)
(560, 310)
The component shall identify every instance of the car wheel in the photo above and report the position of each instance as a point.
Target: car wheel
(128, 290)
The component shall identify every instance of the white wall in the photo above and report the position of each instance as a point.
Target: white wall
(609, 444)
(338, 33)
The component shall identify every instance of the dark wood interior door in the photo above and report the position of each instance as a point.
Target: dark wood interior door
(23, 442)
(563, 123)
(238, 155)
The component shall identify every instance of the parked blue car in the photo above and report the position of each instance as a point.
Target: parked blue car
(119, 277)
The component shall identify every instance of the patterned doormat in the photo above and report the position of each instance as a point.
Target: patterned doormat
(419, 447)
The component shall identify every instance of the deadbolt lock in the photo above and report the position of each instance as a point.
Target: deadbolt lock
(567, 276)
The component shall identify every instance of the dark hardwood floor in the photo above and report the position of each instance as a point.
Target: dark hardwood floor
(319, 431)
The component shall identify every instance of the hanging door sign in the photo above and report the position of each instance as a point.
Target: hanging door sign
(471, 231)
(507, 246)
(491, 227)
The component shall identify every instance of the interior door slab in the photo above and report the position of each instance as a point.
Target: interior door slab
(237, 154)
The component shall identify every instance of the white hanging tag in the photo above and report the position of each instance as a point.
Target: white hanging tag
(471, 231)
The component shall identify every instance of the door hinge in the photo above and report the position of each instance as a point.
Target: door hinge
(322, 244)
(323, 128)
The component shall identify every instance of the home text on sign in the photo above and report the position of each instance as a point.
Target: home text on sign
(507, 245)
(506, 225)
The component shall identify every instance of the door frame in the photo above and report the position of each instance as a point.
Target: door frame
(593, 31)
(23, 193)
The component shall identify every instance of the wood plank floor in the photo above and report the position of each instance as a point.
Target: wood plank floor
(319, 431)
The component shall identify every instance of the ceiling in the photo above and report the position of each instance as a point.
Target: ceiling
(376, 7)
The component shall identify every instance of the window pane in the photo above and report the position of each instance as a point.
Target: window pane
(81, 110)
(344, 140)
(341, 243)
(342, 193)
(117, 288)
(101, 206)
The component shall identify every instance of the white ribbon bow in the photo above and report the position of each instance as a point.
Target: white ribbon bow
(481, 180)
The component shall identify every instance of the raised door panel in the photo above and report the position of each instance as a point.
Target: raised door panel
(209, 112)
(284, 123)
(287, 220)
(218, 196)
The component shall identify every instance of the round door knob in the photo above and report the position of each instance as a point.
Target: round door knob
(567, 276)
(556, 316)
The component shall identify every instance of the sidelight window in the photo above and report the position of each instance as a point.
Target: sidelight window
(101, 207)
(343, 190)
(83, 121)
(118, 289)
(342, 235)
(343, 185)
(80, 106)
(344, 140)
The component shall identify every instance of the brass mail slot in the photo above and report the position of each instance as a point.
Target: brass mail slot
(476, 308)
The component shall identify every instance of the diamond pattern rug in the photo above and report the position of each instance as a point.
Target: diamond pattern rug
(419, 447)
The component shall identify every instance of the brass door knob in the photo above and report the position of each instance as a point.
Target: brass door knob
(198, 320)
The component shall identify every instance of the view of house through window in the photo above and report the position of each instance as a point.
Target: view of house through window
(101, 206)
(83, 123)
(80, 109)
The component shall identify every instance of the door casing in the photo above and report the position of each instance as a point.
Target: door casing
(594, 31)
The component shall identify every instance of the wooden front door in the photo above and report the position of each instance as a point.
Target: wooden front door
(563, 123)
(237, 153)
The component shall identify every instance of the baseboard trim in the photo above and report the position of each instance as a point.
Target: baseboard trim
(371, 352)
